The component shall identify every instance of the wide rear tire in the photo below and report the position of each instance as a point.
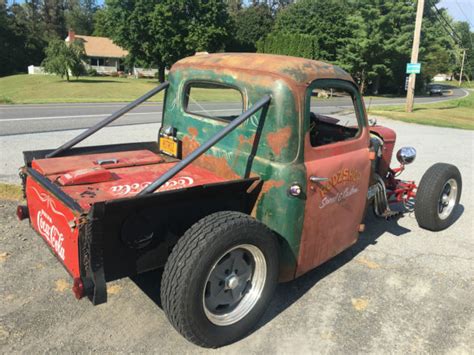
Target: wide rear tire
(220, 278)
(438, 196)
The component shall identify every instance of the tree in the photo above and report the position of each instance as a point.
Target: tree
(80, 16)
(380, 38)
(102, 27)
(250, 25)
(21, 42)
(161, 32)
(233, 6)
(467, 42)
(293, 44)
(53, 17)
(62, 59)
(324, 19)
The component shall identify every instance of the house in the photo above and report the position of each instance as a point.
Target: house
(442, 77)
(103, 55)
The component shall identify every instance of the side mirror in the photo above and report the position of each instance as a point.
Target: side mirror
(372, 121)
(406, 155)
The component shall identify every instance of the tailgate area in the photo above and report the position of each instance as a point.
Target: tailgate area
(56, 224)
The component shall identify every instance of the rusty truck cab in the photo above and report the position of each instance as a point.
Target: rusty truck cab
(275, 145)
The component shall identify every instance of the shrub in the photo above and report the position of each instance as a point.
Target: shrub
(292, 44)
(92, 72)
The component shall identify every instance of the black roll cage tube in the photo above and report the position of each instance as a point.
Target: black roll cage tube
(263, 102)
(108, 120)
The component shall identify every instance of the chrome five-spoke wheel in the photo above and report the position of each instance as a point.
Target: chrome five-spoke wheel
(447, 199)
(437, 196)
(234, 284)
(220, 277)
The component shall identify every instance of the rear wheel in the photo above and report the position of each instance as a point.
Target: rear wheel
(437, 197)
(219, 278)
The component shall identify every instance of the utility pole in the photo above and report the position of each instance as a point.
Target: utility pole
(414, 55)
(462, 66)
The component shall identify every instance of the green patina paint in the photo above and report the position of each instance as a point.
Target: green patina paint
(279, 156)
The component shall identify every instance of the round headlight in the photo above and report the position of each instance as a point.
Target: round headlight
(406, 155)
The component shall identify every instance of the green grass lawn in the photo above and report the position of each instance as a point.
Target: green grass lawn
(458, 113)
(32, 89)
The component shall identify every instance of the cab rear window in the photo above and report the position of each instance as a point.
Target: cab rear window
(213, 100)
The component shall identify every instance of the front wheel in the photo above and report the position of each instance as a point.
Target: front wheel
(438, 196)
(219, 278)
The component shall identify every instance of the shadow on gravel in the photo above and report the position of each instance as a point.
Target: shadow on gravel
(289, 292)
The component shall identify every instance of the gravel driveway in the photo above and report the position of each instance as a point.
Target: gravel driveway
(399, 289)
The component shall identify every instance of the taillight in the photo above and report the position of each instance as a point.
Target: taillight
(78, 288)
(22, 212)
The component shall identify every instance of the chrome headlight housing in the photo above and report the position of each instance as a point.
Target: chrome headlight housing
(406, 155)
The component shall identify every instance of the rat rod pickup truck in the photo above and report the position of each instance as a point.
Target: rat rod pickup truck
(232, 197)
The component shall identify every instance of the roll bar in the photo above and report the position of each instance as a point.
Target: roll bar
(108, 120)
(264, 101)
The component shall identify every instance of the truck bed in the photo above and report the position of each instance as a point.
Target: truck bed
(92, 178)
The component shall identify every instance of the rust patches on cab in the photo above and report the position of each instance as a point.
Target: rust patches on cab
(243, 140)
(278, 140)
(193, 131)
(218, 165)
(267, 186)
(270, 184)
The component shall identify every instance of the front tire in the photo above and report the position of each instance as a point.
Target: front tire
(438, 196)
(219, 278)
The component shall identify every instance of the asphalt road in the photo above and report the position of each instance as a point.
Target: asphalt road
(399, 290)
(24, 119)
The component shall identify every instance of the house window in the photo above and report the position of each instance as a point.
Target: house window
(94, 61)
(200, 99)
(111, 62)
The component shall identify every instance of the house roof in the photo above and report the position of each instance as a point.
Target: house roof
(100, 47)
(301, 71)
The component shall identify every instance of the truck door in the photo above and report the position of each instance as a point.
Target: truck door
(337, 171)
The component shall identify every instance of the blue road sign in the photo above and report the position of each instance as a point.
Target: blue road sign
(413, 68)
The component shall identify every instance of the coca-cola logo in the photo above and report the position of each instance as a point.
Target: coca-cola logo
(125, 189)
(51, 233)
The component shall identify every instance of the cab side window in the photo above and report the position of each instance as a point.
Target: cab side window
(200, 95)
(333, 116)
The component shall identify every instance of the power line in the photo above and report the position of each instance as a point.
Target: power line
(438, 14)
(467, 19)
(464, 14)
(453, 32)
(455, 40)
